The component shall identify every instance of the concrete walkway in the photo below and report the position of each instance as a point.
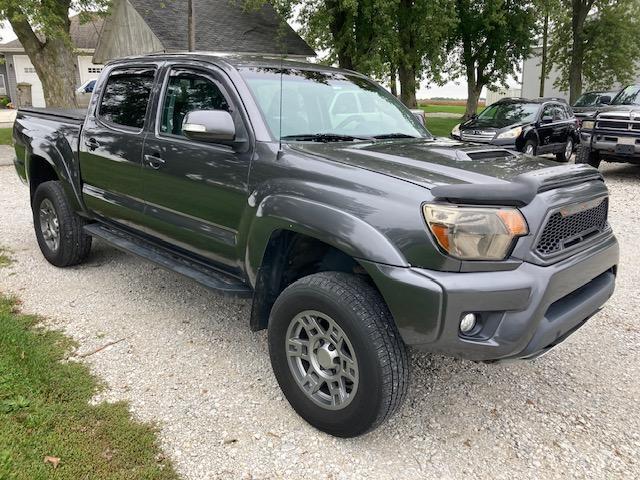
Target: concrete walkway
(7, 154)
(7, 117)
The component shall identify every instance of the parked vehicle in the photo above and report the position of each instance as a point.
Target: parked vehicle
(356, 234)
(534, 127)
(84, 91)
(612, 134)
(588, 103)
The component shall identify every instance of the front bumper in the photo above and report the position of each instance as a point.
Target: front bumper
(608, 148)
(523, 312)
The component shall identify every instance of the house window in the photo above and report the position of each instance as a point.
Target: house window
(94, 69)
(3, 88)
(29, 70)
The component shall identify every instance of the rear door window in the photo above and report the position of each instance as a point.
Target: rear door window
(126, 97)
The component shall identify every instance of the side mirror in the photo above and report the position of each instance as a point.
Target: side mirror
(547, 119)
(209, 126)
(605, 100)
(419, 114)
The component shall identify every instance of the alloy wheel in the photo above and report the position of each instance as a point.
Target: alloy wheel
(568, 149)
(49, 225)
(322, 360)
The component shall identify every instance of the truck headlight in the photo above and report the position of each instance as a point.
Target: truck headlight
(513, 133)
(475, 233)
(588, 125)
(456, 131)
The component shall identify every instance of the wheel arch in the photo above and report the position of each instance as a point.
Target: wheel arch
(281, 250)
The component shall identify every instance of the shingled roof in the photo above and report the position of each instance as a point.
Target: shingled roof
(83, 35)
(222, 26)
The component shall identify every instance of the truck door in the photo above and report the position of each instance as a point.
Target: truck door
(111, 146)
(196, 191)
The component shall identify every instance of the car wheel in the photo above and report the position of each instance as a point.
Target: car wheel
(584, 154)
(530, 147)
(567, 151)
(58, 228)
(337, 354)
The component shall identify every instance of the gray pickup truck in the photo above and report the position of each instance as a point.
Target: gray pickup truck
(611, 133)
(313, 191)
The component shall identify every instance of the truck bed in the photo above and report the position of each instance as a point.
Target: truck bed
(77, 114)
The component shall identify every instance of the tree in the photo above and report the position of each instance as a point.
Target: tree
(43, 30)
(596, 42)
(387, 39)
(489, 42)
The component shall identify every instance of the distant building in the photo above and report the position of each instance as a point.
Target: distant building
(144, 26)
(494, 95)
(138, 27)
(20, 70)
(531, 78)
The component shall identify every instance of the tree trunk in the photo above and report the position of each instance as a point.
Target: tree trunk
(408, 84)
(54, 58)
(473, 95)
(407, 68)
(341, 26)
(393, 80)
(580, 12)
(545, 46)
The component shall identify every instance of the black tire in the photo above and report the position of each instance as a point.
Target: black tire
(530, 144)
(584, 154)
(382, 362)
(562, 156)
(73, 244)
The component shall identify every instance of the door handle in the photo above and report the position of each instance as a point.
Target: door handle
(92, 143)
(154, 161)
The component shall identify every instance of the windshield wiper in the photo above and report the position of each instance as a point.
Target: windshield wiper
(393, 135)
(324, 137)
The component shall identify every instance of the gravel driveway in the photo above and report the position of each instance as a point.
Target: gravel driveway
(189, 363)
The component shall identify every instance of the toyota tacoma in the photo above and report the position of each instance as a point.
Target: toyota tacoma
(314, 192)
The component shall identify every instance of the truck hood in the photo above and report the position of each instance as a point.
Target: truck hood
(430, 162)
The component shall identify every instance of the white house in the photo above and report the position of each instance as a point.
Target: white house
(20, 70)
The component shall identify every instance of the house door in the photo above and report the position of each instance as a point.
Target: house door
(88, 69)
(26, 73)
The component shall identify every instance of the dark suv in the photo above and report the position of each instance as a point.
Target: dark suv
(530, 126)
(588, 103)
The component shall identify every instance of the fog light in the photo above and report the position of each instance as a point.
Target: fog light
(468, 322)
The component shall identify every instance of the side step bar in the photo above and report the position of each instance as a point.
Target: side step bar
(207, 276)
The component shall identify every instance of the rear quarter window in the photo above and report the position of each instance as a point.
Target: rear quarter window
(126, 97)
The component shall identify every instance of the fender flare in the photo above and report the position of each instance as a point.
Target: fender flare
(342, 230)
(49, 151)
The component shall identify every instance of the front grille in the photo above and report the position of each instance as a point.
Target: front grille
(477, 136)
(565, 229)
(619, 122)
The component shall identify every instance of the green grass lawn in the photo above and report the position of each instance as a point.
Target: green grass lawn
(5, 136)
(441, 127)
(48, 429)
(444, 108)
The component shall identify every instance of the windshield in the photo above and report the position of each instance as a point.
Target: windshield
(628, 96)
(328, 105)
(587, 100)
(504, 114)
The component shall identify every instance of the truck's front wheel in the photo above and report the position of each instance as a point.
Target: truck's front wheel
(337, 354)
(58, 228)
(584, 154)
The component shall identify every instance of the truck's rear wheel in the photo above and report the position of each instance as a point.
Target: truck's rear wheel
(337, 354)
(584, 154)
(58, 228)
